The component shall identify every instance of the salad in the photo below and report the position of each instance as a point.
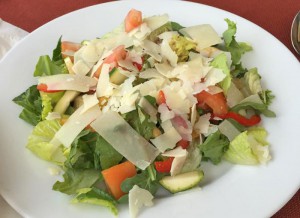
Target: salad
(142, 107)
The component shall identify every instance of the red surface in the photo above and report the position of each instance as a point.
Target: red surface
(275, 16)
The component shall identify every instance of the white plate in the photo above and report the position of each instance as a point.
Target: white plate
(230, 191)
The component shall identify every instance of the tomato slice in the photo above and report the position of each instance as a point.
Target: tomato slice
(138, 66)
(119, 53)
(133, 20)
(217, 102)
(69, 48)
(43, 88)
(183, 143)
(164, 166)
(161, 99)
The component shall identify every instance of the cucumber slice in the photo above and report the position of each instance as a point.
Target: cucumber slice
(116, 77)
(182, 182)
(65, 101)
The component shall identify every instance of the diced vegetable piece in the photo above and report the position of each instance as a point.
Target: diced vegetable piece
(164, 166)
(69, 48)
(216, 102)
(133, 20)
(183, 143)
(161, 99)
(182, 182)
(115, 175)
(44, 88)
(65, 101)
(116, 77)
(119, 53)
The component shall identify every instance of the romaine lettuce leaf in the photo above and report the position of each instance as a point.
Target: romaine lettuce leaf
(48, 102)
(75, 179)
(47, 106)
(220, 62)
(38, 142)
(96, 196)
(237, 49)
(31, 102)
(253, 81)
(47, 67)
(56, 54)
(214, 147)
(249, 148)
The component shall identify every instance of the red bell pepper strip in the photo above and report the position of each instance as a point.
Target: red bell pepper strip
(164, 166)
(253, 120)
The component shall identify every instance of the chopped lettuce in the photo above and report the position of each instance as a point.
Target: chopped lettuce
(81, 155)
(181, 46)
(54, 96)
(108, 155)
(237, 49)
(47, 67)
(39, 142)
(252, 80)
(90, 151)
(214, 147)
(153, 36)
(254, 102)
(238, 71)
(169, 26)
(193, 159)
(220, 62)
(47, 106)
(249, 148)
(266, 96)
(49, 100)
(31, 102)
(56, 54)
(143, 180)
(75, 179)
(140, 122)
(96, 196)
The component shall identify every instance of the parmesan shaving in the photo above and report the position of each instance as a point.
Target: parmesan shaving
(166, 140)
(75, 124)
(68, 82)
(116, 131)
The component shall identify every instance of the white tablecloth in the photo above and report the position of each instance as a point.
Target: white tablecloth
(9, 36)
